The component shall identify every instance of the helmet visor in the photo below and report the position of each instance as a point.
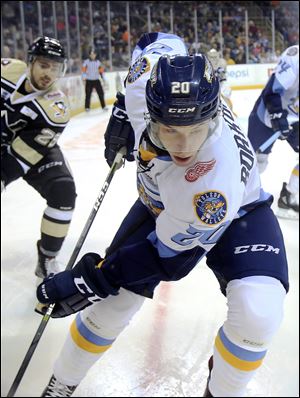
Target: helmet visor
(57, 68)
(178, 139)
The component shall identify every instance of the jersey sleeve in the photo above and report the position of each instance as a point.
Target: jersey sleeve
(285, 77)
(287, 70)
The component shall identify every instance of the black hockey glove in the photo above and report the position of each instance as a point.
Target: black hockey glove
(74, 290)
(119, 132)
(280, 123)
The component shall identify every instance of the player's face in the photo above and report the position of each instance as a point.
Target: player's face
(45, 72)
(182, 142)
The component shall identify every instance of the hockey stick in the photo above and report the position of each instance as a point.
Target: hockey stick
(115, 166)
(269, 141)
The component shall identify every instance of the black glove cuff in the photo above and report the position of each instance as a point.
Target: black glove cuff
(88, 269)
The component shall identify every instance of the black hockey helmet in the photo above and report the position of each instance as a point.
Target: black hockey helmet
(182, 90)
(47, 47)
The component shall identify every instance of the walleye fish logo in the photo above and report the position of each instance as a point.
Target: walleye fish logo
(210, 207)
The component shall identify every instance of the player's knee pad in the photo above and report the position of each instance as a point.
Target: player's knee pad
(255, 311)
(109, 317)
(61, 193)
(262, 161)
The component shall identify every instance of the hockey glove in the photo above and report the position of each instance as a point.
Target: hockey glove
(280, 123)
(75, 289)
(119, 132)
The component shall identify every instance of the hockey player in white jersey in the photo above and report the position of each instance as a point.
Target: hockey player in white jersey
(199, 196)
(277, 110)
(220, 66)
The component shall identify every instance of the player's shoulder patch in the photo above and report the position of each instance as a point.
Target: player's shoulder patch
(55, 105)
(12, 69)
(292, 51)
(199, 169)
(210, 207)
(141, 66)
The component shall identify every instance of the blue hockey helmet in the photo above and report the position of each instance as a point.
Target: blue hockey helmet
(47, 47)
(182, 90)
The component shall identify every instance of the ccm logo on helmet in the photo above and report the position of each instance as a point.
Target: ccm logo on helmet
(181, 110)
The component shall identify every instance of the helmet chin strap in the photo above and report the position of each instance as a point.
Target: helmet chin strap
(214, 124)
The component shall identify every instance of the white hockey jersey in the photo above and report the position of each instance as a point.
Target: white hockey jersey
(285, 82)
(193, 205)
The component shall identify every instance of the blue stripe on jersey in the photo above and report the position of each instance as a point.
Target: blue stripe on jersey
(261, 109)
(278, 87)
(163, 250)
(147, 39)
(271, 100)
(264, 197)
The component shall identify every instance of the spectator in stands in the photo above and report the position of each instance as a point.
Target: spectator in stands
(6, 52)
(233, 25)
(227, 57)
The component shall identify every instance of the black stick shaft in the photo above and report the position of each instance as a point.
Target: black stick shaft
(116, 164)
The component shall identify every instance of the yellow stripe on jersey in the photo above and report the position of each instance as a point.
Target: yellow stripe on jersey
(54, 229)
(146, 155)
(25, 151)
(83, 343)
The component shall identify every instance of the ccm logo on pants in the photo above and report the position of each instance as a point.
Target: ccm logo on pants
(256, 248)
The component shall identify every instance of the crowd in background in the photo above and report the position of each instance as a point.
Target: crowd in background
(208, 36)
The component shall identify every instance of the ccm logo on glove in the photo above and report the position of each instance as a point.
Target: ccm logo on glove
(120, 113)
(85, 290)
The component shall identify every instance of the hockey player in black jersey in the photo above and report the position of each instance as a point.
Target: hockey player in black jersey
(34, 112)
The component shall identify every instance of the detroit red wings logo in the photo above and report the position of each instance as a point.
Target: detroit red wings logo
(198, 170)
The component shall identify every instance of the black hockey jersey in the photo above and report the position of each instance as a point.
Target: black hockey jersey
(30, 123)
